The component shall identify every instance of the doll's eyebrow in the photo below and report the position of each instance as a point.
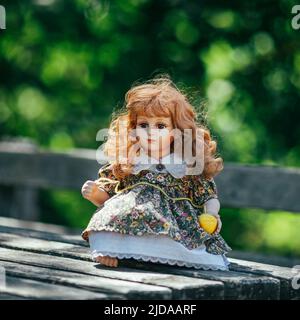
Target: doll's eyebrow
(156, 123)
(159, 121)
(163, 122)
(142, 121)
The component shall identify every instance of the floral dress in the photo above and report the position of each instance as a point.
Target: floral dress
(151, 214)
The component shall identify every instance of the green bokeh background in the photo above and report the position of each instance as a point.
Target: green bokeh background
(66, 65)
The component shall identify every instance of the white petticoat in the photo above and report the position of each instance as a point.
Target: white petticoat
(153, 248)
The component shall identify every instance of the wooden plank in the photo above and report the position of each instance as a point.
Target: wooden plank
(47, 169)
(23, 203)
(67, 249)
(237, 279)
(181, 287)
(284, 274)
(113, 287)
(237, 285)
(250, 186)
(79, 252)
(30, 289)
(266, 258)
(130, 290)
(56, 170)
(62, 249)
(17, 201)
(72, 236)
(45, 235)
(38, 226)
(7, 296)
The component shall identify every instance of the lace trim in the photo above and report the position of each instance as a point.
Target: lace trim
(171, 262)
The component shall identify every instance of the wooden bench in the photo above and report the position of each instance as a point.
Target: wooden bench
(42, 261)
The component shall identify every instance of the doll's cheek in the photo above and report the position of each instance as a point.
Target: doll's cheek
(166, 140)
(141, 133)
(165, 133)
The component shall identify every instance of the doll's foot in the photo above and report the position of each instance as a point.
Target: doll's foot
(107, 261)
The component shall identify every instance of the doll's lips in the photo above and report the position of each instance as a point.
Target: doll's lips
(150, 140)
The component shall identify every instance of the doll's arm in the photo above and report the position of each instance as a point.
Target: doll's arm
(93, 193)
(212, 207)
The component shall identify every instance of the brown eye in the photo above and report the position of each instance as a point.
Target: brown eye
(161, 126)
(143, 125)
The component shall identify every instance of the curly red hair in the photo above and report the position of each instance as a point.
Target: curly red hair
(158, 97)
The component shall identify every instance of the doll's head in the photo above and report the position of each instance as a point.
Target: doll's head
(153, 112)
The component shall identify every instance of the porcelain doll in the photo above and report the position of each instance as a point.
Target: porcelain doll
(148, 206)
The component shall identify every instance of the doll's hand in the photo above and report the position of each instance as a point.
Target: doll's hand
(219, 224)
(93, 193)
(212, 207)
(89, 189)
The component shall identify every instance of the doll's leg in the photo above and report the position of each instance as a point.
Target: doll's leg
(108, 261)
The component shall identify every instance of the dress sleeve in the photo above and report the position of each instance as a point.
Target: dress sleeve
(203, 189)
(104, 176)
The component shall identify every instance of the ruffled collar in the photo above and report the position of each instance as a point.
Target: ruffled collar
(172, 163)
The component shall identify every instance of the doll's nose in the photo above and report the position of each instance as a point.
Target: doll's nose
(152, 131)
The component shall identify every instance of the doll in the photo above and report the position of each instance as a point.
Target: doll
(149, 208)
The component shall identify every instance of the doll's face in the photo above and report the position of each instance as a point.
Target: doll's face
(154, 133)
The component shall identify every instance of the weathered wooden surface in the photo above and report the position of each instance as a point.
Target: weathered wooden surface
(17, 288)
(43, 262)
(14, 197)
(258, 186)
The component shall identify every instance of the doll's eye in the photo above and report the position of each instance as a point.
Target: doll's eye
(161, 126)
(143, 125)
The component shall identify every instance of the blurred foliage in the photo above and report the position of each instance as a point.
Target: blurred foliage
(259, 230)
(66, 64)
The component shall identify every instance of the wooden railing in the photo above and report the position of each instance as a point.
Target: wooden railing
(24, 169)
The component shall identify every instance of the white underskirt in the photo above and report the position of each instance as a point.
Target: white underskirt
(153, 248)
